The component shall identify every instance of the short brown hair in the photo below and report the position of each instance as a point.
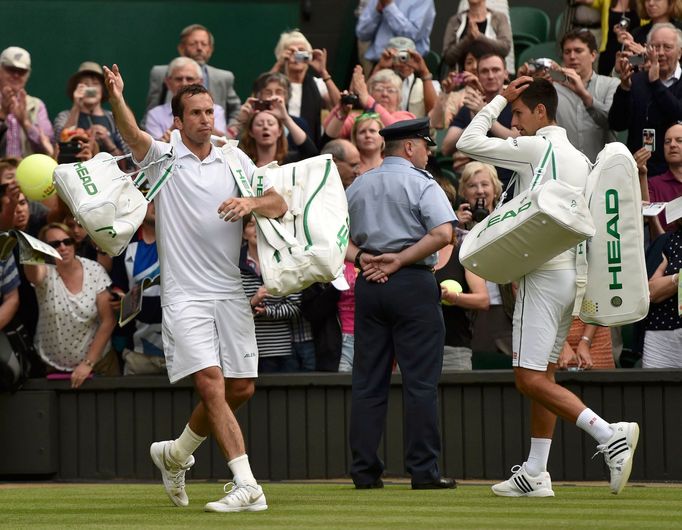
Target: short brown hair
(178, 105)
(582, 34)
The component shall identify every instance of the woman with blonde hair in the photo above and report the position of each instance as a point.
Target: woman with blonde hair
(481, 189)
(75, 318)
(365, 136)
(380, 95)
(312, 88)
(479, 185)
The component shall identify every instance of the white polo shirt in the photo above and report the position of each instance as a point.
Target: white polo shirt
(198, 252)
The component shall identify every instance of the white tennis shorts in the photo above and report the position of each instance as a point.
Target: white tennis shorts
(199, 334)
(542, 317)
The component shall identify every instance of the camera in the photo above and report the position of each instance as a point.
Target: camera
(90, 92)
(540, 64)
(68, 151)
(402, 56)
(350, 99)
(302, 56)
(262, 104)
(479, 211)
(636, 60)
(624, 22)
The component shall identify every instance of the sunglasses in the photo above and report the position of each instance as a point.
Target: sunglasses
(66, 242)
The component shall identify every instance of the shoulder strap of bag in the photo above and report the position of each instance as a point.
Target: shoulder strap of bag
(161, 182)
(537, 175)
(272, 229)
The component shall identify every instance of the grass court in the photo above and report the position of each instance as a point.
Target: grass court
(335, 505)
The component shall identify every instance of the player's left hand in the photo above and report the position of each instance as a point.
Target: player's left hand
(235, 208)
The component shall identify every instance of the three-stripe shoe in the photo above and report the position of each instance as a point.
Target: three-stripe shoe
(619, 452)
(172, 473)
(521, 484)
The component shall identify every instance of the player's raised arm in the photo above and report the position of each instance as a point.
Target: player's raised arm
(138, 140)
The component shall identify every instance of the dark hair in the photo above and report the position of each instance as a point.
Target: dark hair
(541, 91)
(178, 106)
(478, 49)
(581, 34)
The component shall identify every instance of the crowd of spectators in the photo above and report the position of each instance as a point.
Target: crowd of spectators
(296, 110)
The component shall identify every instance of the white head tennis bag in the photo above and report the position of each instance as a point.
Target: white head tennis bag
(308, 245)
(529, 230)
(617, 290)
(105, 201)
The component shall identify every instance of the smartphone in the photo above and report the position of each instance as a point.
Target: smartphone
(649, 139)
(558, 75)
(636, 60)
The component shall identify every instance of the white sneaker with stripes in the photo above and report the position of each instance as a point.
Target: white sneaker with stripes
(521, 484)
(619, 452)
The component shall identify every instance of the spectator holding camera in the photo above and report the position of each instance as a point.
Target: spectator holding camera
(654, 12)
(264, 139)
(158, 121)
(481, 89)
(477, 24)
(585, 97)
(380, 95)
(648, 101)
(311, 86)
(24, 125)
(86, 89)
(419, 91)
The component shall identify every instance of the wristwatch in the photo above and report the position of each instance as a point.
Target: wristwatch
(357, 258)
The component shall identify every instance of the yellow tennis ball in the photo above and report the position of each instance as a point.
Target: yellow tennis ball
(451, 286)
(34, 176)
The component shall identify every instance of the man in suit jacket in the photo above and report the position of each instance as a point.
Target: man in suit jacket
(652, 97)
(197, 43)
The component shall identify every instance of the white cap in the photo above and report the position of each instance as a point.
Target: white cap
(16, 57)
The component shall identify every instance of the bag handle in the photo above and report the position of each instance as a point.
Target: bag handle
(272, 229)
(537, 175)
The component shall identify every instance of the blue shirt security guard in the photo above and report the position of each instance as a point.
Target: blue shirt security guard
(399, 219)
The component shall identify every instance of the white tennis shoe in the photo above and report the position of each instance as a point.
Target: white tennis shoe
(619, 452)
(172, 473)
(240, 498)
(521, 484)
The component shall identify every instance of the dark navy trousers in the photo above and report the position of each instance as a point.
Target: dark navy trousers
(401, 317)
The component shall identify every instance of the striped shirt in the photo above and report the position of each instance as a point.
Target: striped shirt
(273, 328)
(9, 276)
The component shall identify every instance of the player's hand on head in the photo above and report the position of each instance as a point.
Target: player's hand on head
(516, 88)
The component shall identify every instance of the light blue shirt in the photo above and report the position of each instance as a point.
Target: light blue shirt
(160, 118)
(393, 206)
(401, 18)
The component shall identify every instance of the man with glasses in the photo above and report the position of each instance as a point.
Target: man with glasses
(399, 219)
(158, 121)
(649, 97)
(27, 127)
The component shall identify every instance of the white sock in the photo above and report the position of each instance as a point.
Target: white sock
(241, 469)
(185, 445)
(595, 426)
(538, 456)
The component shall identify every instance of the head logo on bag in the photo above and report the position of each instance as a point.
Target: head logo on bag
(342, 236)
(494, 219)
(613, 246)
(86, 180)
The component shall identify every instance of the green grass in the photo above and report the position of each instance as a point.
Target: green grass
(328, 506)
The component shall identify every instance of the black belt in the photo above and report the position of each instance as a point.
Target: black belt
(420, 267)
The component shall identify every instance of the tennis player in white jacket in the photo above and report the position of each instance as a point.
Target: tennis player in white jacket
(545, 297)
